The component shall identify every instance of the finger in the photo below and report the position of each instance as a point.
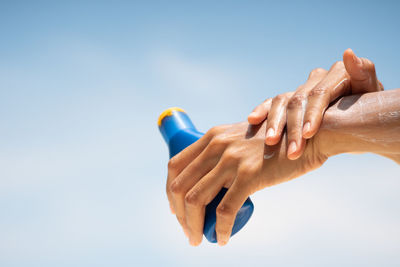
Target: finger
(177, 163)
(276, 119)
(182, 159)
(295, 113)
(362, 73)
(228, 208)
(260, 113)
(336, 83)
(201, 195)
(187, 179)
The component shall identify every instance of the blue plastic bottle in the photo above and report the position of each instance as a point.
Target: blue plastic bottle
(179, 132)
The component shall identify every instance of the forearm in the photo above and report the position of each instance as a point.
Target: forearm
(363, 123)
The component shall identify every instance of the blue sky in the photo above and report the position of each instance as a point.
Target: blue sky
(82, 163)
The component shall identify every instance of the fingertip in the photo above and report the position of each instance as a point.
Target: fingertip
(270, 133)
(308, 135)
(291, 149)
(194, 240)
(254, 118)
(251, 116)
(272, 137)
(222, 239)
(350, 57)
(306, 127)
(222, 243)
(294, 156)
(307, 131)
(194, 243)
(295, 151)
(297, 154)
(271, 141)
(347, 52)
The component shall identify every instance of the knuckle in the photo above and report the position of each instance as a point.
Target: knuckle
(175, 187)
(317, 72)
(213, 131)
(280, 98)
(219, 141)
(317, 91)
(173, 164)
(267, 100)
(296, 101)
(247, 168)
(230, 156)
(192, 198)
(337, 64)
(224, 210)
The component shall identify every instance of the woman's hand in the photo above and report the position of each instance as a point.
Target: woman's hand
(303, 110)
(234, 157)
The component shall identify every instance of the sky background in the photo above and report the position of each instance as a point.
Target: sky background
(83, 166)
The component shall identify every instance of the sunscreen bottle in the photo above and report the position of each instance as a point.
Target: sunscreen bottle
(179, 132)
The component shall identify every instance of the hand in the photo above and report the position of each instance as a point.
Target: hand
(234, 157)
(303, 110)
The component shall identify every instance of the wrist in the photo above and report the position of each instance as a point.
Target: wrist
(334, 136)
(362, 123)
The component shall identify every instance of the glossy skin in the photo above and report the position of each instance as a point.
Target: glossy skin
(231, 156)
(302, 111)
(236, 157)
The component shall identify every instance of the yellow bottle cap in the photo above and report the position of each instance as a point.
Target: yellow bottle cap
(168, 112)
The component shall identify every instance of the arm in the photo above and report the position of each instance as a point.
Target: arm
(364, 123)
(236, 157)
(302, 111)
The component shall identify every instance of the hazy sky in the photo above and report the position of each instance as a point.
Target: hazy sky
(83, 166)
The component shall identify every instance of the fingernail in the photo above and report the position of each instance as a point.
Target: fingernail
(270, 132)
(306, 127)
(357, 60)
(292, 147)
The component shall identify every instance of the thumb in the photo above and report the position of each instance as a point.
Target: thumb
(362, 73)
